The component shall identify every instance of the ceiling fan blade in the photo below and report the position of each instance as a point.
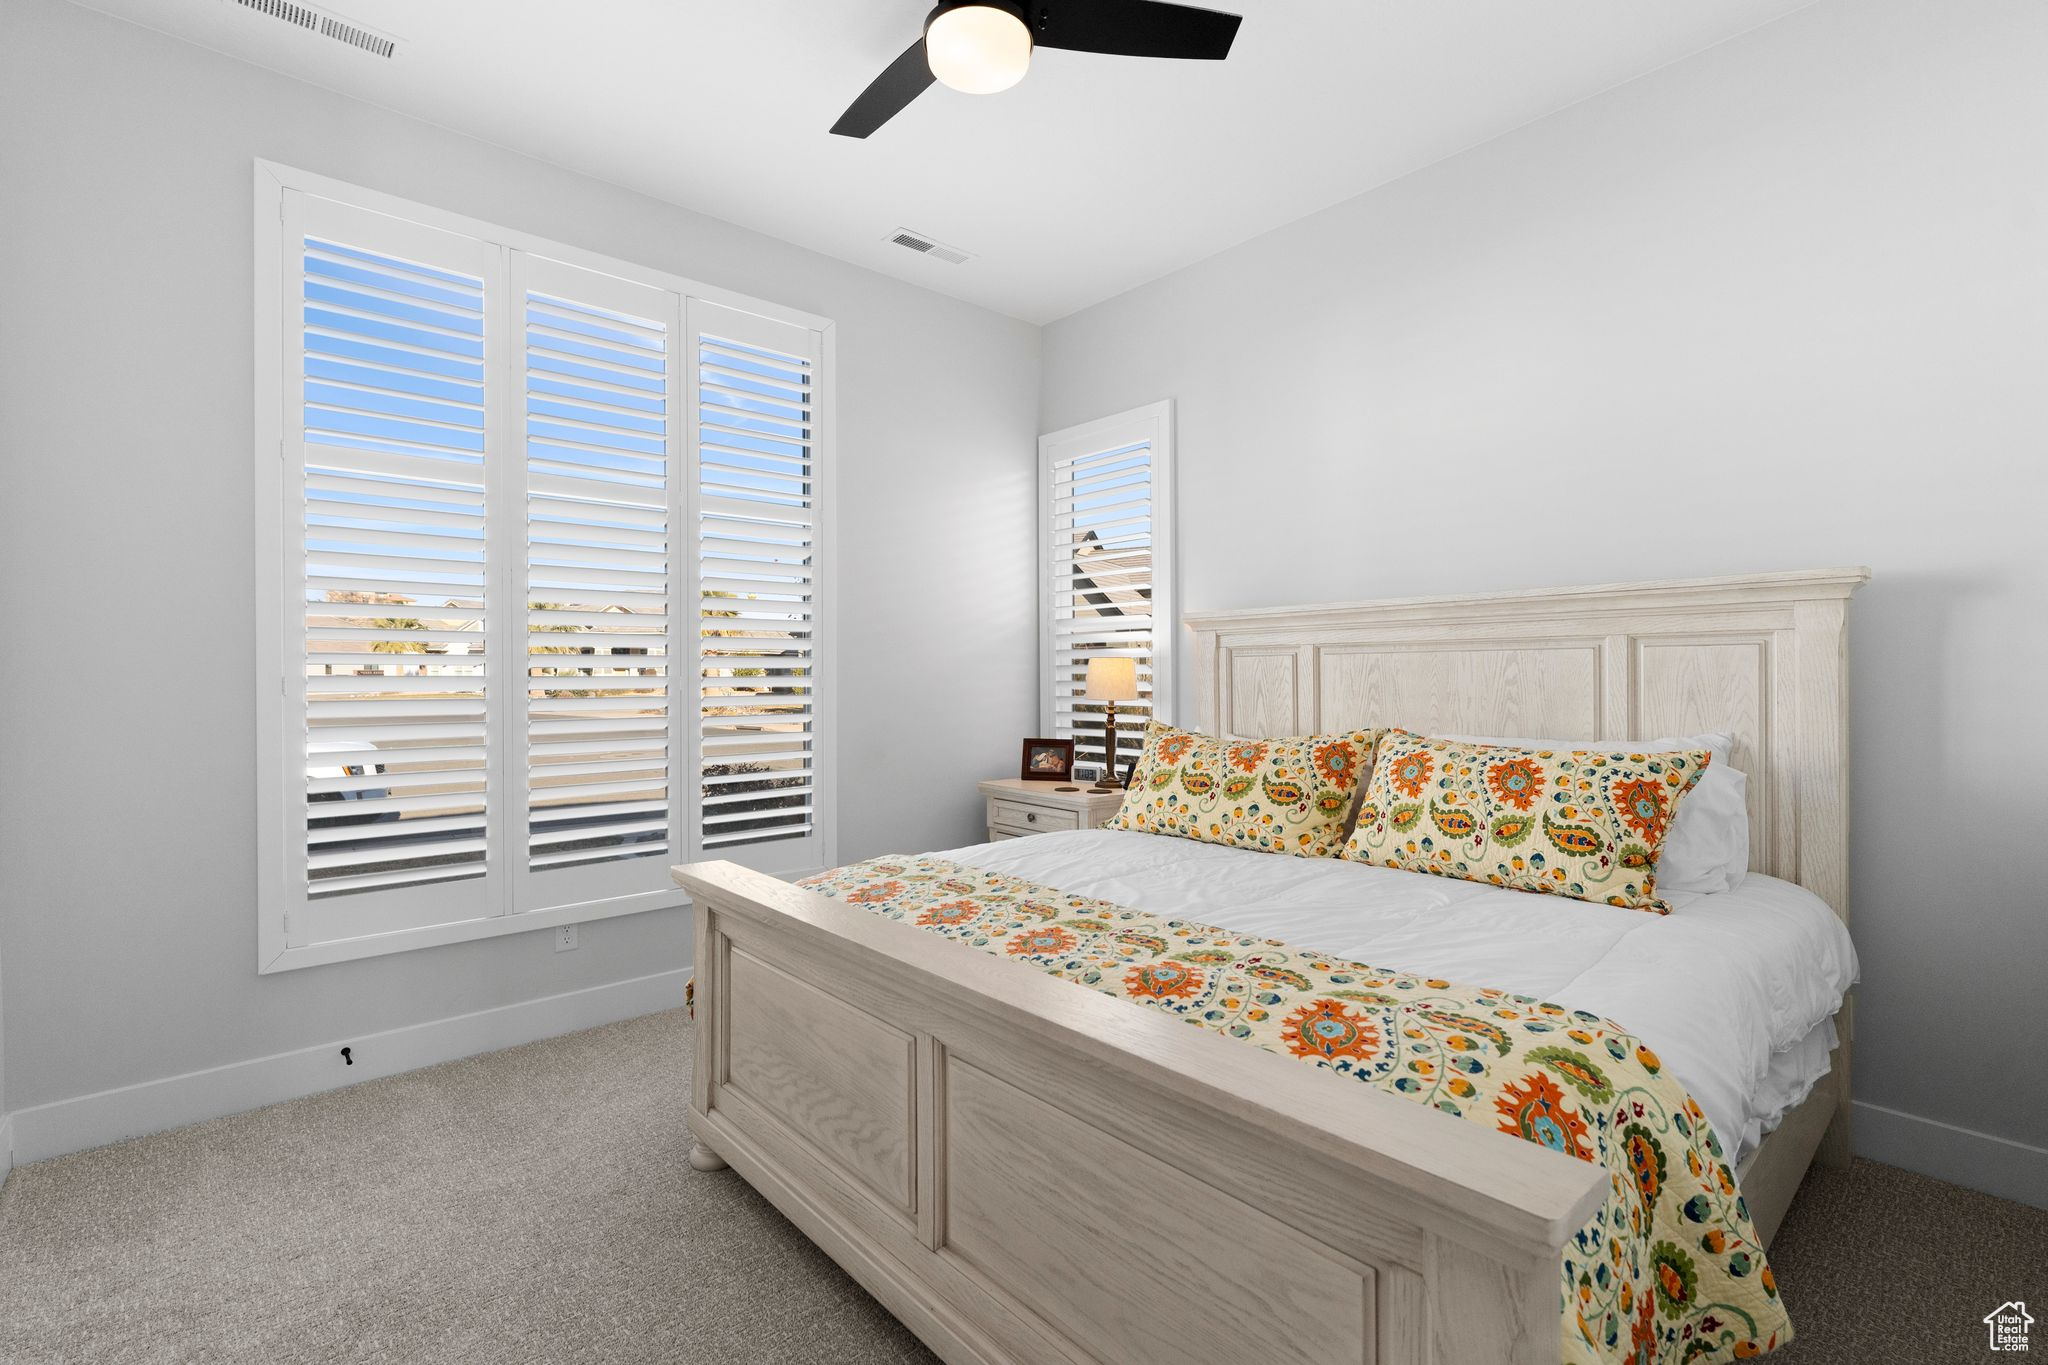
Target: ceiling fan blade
(1134, 28)
(903, 81)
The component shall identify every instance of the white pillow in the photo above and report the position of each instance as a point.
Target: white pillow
(1708, 847)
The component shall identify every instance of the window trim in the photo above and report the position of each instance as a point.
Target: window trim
(1153, 423)
(277, 827)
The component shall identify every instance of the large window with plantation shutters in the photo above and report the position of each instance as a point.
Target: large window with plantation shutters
(1106, 577)
(540, 578)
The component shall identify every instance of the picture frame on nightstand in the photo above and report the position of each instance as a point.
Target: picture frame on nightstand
(1047, 760)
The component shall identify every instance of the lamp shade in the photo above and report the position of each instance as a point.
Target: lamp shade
(1112, 680)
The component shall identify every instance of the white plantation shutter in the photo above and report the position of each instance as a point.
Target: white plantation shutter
(757, 547)
(539, 581)
(1106, 521)
(393, 624)
(600, 397)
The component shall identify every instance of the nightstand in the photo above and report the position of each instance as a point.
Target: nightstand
(1017, 807)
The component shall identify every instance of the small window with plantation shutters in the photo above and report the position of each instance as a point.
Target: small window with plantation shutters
(539, 579)
(1106, 577)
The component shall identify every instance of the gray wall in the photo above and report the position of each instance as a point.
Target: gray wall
(1782, 305)
(127, 812)
(6, 1133)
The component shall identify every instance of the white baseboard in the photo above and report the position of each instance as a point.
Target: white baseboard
(1961, 1156)
(1979, 1161)
(151, 1107)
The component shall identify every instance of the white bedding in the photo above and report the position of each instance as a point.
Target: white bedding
(1734, 990)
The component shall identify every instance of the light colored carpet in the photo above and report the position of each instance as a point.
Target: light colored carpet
(527, 1206)
(1880, 1265)
(533, 1206)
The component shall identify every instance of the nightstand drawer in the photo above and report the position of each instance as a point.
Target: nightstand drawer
(1017, 807)
(1030, 819)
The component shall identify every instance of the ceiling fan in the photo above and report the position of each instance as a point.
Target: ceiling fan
(982, 46)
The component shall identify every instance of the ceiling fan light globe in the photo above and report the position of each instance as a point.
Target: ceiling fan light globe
(977, 49)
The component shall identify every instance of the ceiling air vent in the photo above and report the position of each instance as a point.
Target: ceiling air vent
(344, 32)
(325, 24)
(923, 245)
(285, 10)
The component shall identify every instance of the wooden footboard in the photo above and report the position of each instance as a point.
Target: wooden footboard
(1023, 1170)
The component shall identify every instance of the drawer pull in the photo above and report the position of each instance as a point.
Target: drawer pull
(1033, 817)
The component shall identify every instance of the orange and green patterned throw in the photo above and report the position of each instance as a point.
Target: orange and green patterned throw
(1669, 1270)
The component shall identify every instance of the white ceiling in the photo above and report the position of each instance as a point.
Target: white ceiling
(1092, 176)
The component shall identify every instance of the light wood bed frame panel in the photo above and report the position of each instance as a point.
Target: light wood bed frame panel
(1024, 1171)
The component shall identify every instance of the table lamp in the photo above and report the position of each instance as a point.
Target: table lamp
(1110, 681)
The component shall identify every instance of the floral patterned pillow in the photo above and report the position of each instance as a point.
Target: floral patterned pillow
(1589, 824)
(1275, 795)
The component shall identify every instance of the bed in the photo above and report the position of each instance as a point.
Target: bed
(1024, 1171)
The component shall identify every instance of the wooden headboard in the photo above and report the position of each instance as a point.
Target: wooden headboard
(1761, 657)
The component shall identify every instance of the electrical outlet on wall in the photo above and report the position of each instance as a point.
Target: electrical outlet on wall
(565, 938)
